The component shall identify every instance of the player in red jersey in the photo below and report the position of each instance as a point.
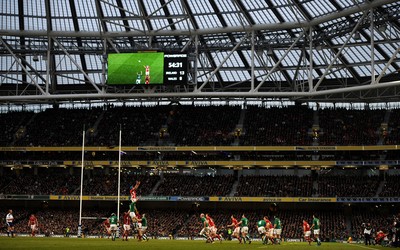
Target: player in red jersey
(127, 225)
(213, 228)
(107, 226)
(269, 228)
(307, 231)
(236, 231)
(133, 191)
(33, 224)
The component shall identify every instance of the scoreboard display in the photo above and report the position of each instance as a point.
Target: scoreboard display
(175, 68)
(147, 68)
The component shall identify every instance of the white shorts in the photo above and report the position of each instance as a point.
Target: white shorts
(143, 229)
(134, 200)
(139, 225)
(261, 230)
(316, 231)
(277, 231)
(270, 231)
(213, 229)
(108, 229)
(307, 233)
(113, 227)
(204, 230)
(33, 227)
(245, 230)
(132, 214)
(127, 227)
(236, 230)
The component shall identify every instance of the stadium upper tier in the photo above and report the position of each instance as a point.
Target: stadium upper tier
(177, 125)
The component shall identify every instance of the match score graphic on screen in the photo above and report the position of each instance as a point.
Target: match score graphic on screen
(175, 68)
(147, 68)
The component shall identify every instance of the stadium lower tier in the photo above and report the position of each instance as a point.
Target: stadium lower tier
(182, 219)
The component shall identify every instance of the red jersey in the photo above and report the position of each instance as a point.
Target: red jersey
(269, 224)
(306, 226)
(235, 222)
(127, 219)
(106, 223)
(32, 220)
(133, 193)
(210, 221)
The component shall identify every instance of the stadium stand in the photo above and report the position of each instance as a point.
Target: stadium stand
(190, 185)
(288, 125)
(275, 186)
(347, 186)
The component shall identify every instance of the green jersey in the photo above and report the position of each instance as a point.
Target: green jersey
(113, 220)
(277, 223)
(261, 223)
(144, 222)
(132, 207)
(316, 223)
(245, 222)
(204, 222)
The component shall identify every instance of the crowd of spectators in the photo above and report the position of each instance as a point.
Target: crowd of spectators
(45, 182)
(104, 181)
(101, 183)
(58, 127)
(13, 126)
(183, 125)
(361, 217)
(391, 187)
(203, 126)
(347, 186)
(392, 134)
(191, 185)
(275, 186)
(139, 125)
(277, 126)
(349, 127)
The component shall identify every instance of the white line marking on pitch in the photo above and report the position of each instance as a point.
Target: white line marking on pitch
(363, 247)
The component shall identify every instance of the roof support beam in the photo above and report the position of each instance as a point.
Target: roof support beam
(22, 66)
(267, 26)
(77, 65)
(279, 62)
(199, 94)
(387, 65)
(222, 63)
(338, 54)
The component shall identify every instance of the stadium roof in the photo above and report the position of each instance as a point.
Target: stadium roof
(306, 50)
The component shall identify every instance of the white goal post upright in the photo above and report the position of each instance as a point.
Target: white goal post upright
(119, 170)
(81, 193)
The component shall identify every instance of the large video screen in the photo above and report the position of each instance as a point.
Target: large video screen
(136, 68)
(147, 68)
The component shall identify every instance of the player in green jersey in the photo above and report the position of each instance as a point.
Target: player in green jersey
(113, 225)
(261, 224)
(133, 211)
(143, 228)
(138, 77)
(316, 225)
(277, 230)
(205, 231)
(244, 223)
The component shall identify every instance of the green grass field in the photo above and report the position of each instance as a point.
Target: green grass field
(124, 68)
(76, 244)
